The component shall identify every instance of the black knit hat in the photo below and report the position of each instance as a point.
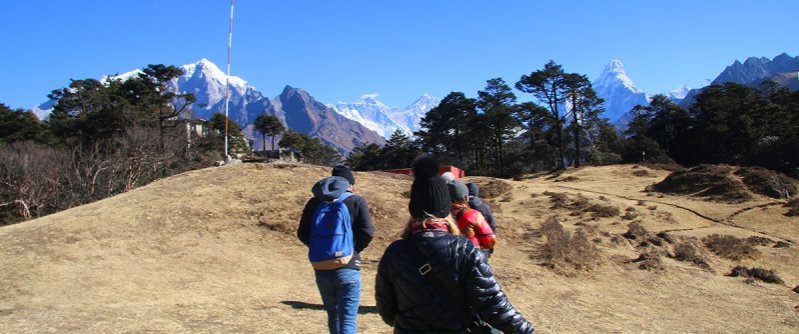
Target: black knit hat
(344, 172)
(429, 193)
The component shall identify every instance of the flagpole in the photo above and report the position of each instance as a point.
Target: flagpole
(227, 80)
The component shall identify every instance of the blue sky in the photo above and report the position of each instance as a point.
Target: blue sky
(339, 50)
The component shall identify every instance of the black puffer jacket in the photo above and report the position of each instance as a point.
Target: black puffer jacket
(406, 301)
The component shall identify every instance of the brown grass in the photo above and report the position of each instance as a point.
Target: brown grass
(729, 247)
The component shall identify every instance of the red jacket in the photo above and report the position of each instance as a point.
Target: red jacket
(474, 226)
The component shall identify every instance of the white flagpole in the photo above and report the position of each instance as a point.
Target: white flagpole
(227, 80)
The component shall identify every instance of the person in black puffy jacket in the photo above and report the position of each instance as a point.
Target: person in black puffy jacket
(408, 301)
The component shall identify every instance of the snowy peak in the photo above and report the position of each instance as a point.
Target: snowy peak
(613, 74)
(679, 93)
(377, 116)
(618, 91)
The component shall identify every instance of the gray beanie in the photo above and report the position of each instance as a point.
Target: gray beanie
(457, 190)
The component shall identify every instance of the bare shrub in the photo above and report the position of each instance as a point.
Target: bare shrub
(635, 231)
(729, 247)
(793, 207)
(757, 240)
(600, 210)
(768, 276)
(562, 250)
(767, 182)
(493, 188)
(630, 213)
(687, 252)
(649, 260)
(666, 237)
(782, 244)
(641, 173)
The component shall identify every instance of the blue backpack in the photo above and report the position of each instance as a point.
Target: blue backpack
(331, 242)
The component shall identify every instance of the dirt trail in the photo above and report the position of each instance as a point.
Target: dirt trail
(214, 251)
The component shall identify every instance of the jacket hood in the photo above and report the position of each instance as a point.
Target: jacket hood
(474, 190)
(330, 188)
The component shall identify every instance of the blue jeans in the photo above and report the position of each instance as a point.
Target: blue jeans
(341, 292)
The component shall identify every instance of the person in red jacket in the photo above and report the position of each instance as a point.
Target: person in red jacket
(471, 222)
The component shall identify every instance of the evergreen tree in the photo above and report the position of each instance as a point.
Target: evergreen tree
(549, 86)
(445, 128)
(585, 109)
(19, 125)
(269, 125)
(498, 104)
(366, 157)
(236, 142)
(398, 152)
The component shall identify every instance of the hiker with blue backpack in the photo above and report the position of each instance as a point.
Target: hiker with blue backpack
(336, 226)
(434, 281)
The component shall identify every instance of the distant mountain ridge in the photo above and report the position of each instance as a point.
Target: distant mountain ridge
(295, 107)
(384, 120)
(783, 69)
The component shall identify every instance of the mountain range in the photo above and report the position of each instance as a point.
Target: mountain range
(346, 125)
(783, 69)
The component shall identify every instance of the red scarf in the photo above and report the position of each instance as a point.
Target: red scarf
(430, 224)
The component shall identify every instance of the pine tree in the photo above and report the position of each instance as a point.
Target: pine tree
(549, 86)
(269, 125)
(498, 104)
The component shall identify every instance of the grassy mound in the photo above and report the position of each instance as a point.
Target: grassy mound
(767, 182)
(714, 182)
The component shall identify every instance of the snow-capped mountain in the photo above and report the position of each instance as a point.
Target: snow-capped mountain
(377, 116)
(411, 115)
(619, 92)
(295, 107)
(371, 113)
(679, 93)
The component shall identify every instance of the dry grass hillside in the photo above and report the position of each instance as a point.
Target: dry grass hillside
(588, 250)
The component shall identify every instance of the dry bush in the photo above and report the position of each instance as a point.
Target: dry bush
(709, 181)
(630, 213)
(665, 236)
(564, 250)
(757, 240)
(687, 252)
(793, 207)
(767, 182)
(493, 188)
(649, 260)
(600, 210)
(729, 247)
(782, 244)
(768, 276)
(635, 231)
(641, 172)
(570, 178)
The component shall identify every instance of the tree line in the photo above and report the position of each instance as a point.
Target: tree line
(103, 138)
(495, 135)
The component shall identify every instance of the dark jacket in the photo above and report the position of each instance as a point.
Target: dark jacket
(475, 202)
(406, 301)
(362, 227)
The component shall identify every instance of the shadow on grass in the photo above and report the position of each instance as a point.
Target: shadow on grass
(318, 307)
